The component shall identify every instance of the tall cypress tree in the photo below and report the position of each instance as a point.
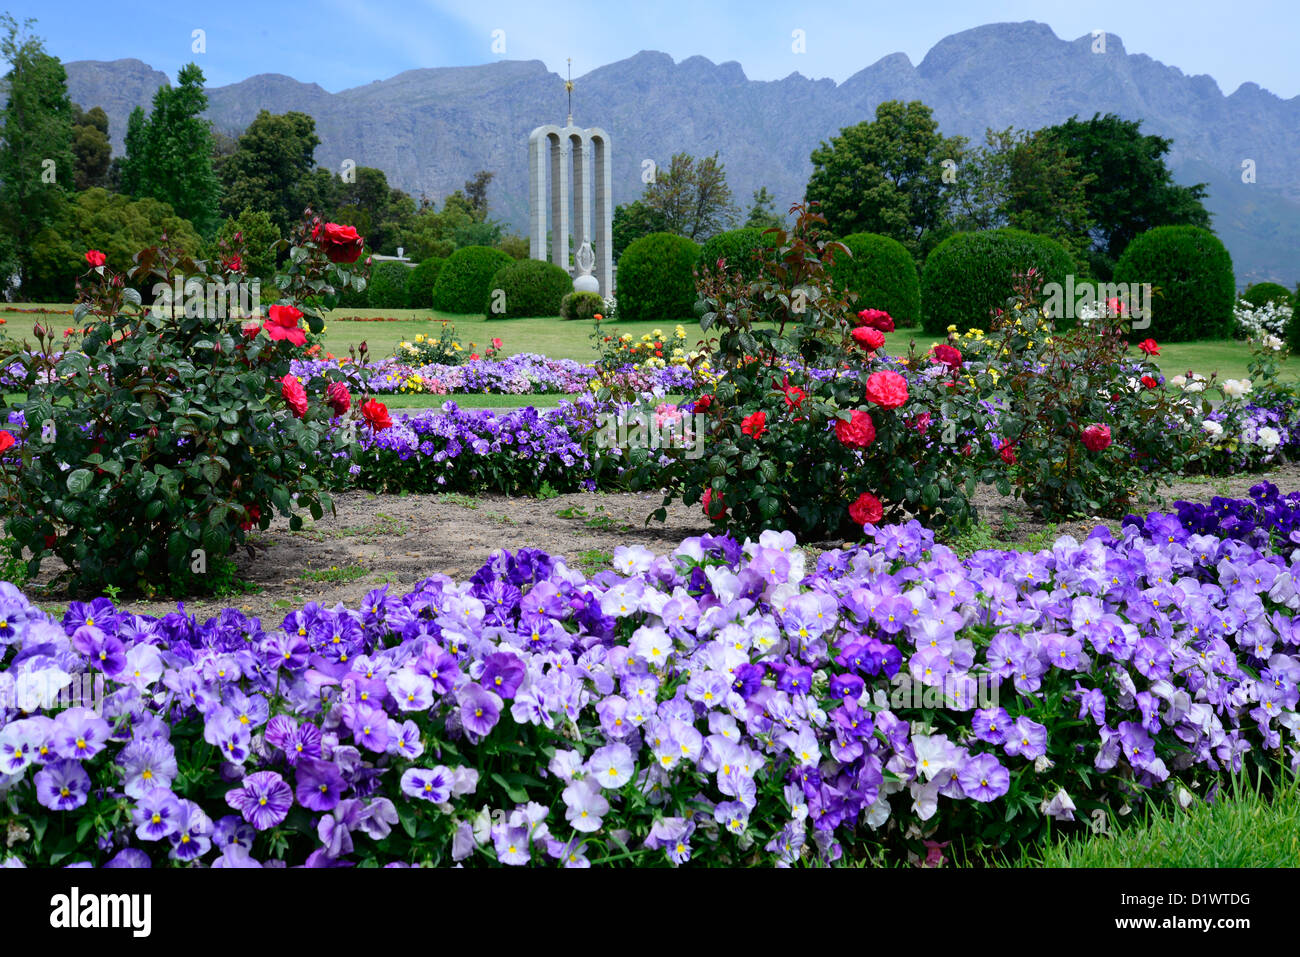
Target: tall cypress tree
(169, 155)
(36, 162)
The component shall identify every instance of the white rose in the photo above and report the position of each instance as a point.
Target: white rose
(1213, 429)
(1179, 380)
(1269, 438)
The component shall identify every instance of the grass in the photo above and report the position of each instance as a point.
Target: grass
(979, 535)
(335, 573)
(1247, 826)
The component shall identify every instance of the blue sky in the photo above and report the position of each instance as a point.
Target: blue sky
(345, 43)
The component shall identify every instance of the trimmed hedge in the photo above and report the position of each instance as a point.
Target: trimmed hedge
(582, 305)
(388, 282)
(1261, 292)
(531, 287)
(419, 290)
(883, 274)
(466, 277)
(969, 274)
(737, 247)
(1192, 285)
(656, 282)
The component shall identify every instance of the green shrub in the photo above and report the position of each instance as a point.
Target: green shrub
(157, 492)
(353, 298)
(655, 279)
(259, 237)
(582, 305)
(1261, 292)
(527, 287)
(419, 288)
(465, 278)
(1193, 288)
(969, 274)
(883, 274)
(737, 247)
(388, 285)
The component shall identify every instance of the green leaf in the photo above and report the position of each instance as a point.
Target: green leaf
(80, 480)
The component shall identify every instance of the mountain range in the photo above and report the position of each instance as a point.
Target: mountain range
(431, 129)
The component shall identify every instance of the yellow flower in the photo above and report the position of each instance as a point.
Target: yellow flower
(419, 337)
(952, 328)
(993, 373)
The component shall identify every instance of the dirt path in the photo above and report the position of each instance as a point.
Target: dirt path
(400, 539)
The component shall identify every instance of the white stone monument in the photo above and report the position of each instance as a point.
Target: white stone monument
(580, 157)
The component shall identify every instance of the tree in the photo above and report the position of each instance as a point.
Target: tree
(258, 235)
(114, 224)
(476, 193)
(273, 169)
(169, 155)
(886, 176)
(376, 209)
(1131, 190)
(763, 214)
(631, 222)
(37, 166)
(1026, 181)
(692, 197)
(92, 152)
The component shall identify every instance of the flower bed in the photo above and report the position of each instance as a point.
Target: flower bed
(725, 704)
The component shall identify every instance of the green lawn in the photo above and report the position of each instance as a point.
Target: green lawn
(570, 339)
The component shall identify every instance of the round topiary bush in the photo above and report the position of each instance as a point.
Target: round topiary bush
(388, 282)
(1190, 272)
(1257, 294)
(883, 274)
(736, 247)
(968, 274)
(419, 289)
(655, 279)
(527, 287)
(463, 283)
(581, 305)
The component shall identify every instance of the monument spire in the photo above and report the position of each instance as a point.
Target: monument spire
(568, 88)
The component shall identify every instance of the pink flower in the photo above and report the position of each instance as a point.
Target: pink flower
(1096, 437)
(858, 432)
(294, 394)
(886, 389)
(866, 509)
(338, 397)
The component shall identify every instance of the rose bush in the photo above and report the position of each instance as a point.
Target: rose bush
(807, 414)
(145, 454)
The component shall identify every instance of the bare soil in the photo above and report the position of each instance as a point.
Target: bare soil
(399, 539)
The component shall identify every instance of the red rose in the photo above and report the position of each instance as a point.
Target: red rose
(341, 243)
(254, 514)
(1149, 382)
(282, 323)
(1008, 453)
(948, 355)
(923, 422)
(754, 425)
(233, 264)
(868, 337)
(294, 394)
(876, 319)
(866, 510)
(858, 432)
(711, 499)
(887, 389)
(252, 327)
(1115, 306)
(376, 413)
(50, 540)
(6, 441)
(338, 398)
(96, 258)
(1149, 347)
(1096, 437)
(704, 403)
(496, 343)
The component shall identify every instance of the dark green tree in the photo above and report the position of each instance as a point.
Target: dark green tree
(692, 197)
(273, 169)
(169, 155)
(476, 193)
(631, 222)
(91, 150)
(886, 176)
(762, 213)
(1131, 190)
(37, 165)
(259, 236)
